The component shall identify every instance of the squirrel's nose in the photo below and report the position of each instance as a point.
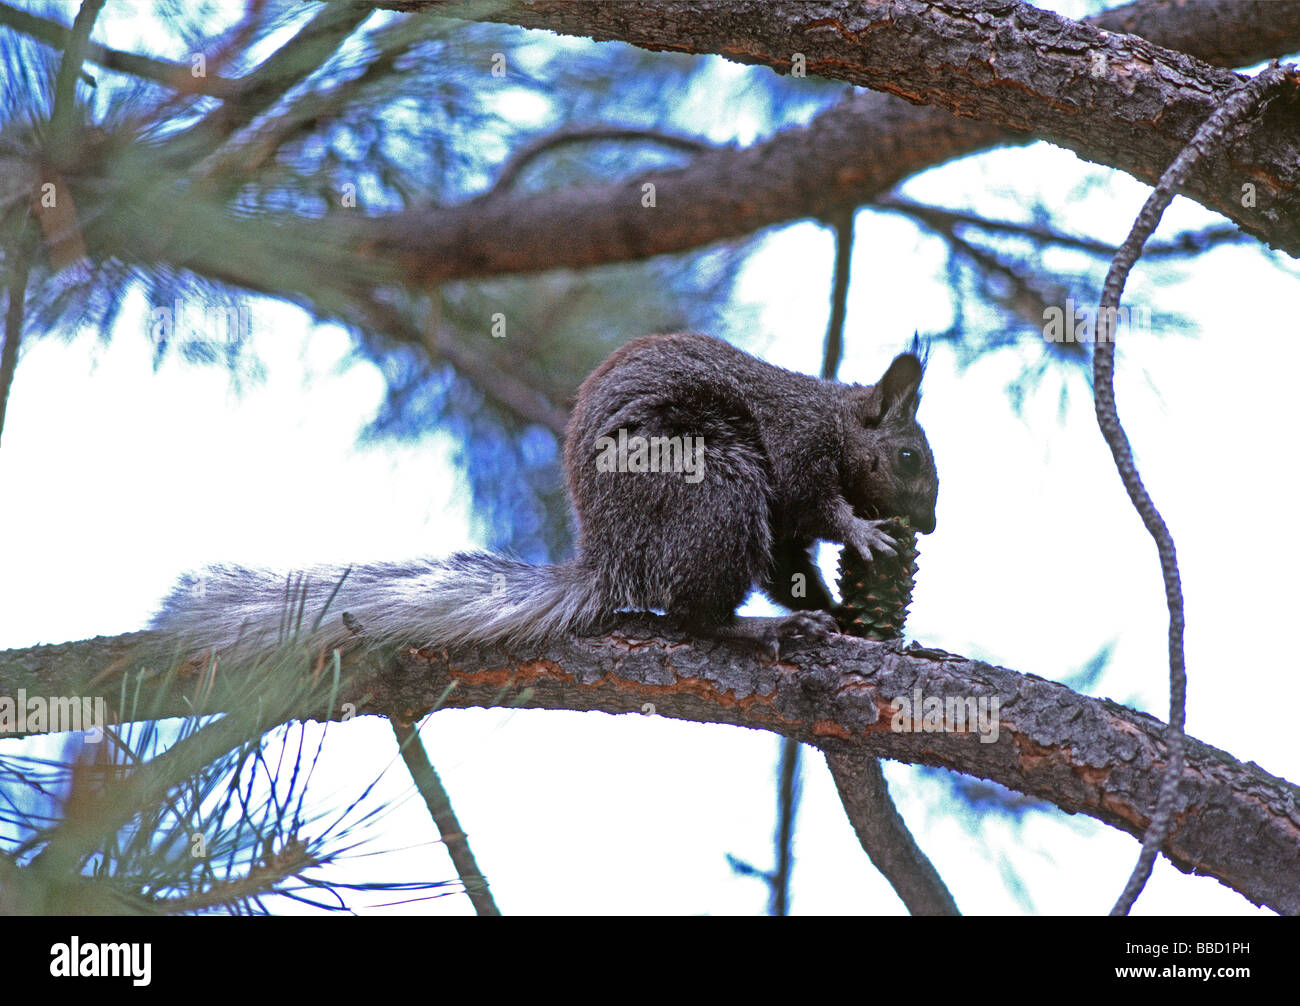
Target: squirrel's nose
(924, 522)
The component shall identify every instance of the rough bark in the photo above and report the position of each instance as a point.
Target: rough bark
(849, 155)
(1115, 99)
(1234, 821)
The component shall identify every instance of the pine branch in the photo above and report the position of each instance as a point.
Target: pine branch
(1235, 109)
(64, 120)
(313, 109)
(18, 262)
(1110, 97)
(444, 817)
(289, 65)
(885, 836)
(945, 221)
(173, 75)
(512, 393)
(572, 135)
(1235, 822)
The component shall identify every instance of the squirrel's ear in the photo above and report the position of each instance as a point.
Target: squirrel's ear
(898, 391)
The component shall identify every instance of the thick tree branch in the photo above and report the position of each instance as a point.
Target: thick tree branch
(1219, 32)
(1233, 820)
(852, 153)
(1115, 99)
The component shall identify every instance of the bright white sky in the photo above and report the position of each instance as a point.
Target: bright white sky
(117, 479)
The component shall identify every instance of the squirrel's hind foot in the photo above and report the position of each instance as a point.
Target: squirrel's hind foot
(768, 636)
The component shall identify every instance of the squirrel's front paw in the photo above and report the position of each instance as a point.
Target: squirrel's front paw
(871, 538)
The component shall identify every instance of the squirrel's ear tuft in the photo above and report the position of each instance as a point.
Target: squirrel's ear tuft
(898, 391)
(920, 348)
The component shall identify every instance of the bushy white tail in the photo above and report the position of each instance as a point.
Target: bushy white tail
(470, 597)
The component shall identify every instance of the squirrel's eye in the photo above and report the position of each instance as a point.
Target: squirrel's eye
(909, 461)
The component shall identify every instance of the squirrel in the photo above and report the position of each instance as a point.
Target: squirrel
(696, 472)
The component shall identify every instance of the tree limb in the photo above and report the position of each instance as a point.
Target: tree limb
(444, 817)
(64, 116)
(571, 135)
(173, 75)
(15, 308)
(1115, 99)
(1236, 109)
(1233, 820)
(944, 220)
(859, 778)
(885, 836)
(292, 63)
(787, 809)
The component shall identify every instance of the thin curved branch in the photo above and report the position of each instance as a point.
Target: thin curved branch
(529, 152)
(945, 220)
(444, 816)
(1236, 108)
(885, 836)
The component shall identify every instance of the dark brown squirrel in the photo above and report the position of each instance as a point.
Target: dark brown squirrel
(696, 472)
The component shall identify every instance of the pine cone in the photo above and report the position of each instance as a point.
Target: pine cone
(876, 594)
